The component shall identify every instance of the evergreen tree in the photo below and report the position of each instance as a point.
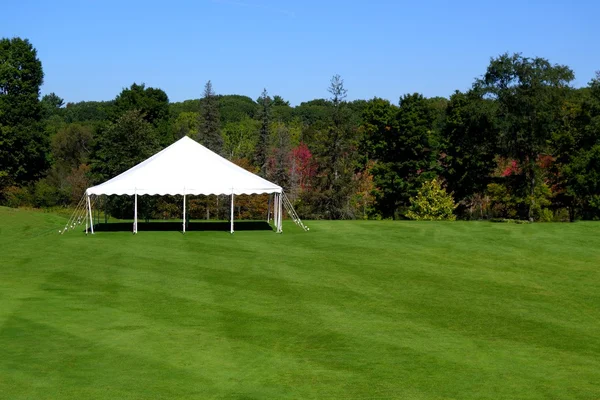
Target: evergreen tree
(209, 133)
(336, 157)
(262, 147)
(51, 104)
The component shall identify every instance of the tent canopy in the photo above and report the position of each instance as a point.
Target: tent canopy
(185, 167)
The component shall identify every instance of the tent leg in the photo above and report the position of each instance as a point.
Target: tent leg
(269, 209)
(279, 213)
(232, 197)
(184, 213)
(135, 214)
(87, 216)
(89, 203)
(275, 211)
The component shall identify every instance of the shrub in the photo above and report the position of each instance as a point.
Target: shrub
(432, 203)
(509, 221)
(15, 196)
(546, 215)
(503, 203)
(541, 200)
(45, 194)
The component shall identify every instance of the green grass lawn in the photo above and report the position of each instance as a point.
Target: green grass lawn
(349, 310)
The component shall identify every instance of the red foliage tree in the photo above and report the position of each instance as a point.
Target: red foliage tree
(304, 167)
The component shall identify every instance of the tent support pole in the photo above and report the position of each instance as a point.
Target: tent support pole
(275, 211)
(87, 217)
(232, 197)
(89, 203)
(269, 209)
(279, 213)
(135, 213)
(184, 211)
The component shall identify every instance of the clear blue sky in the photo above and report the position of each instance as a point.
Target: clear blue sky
(90, 50)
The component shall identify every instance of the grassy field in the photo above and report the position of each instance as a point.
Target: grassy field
(349, 310)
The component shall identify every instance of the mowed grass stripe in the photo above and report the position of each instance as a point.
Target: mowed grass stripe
(356, 309)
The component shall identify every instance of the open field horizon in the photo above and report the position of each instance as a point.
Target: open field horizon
(349, 310)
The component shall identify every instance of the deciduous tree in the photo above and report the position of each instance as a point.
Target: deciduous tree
(528, 93)
(152, 103)
(403, 143)
(469, 144)
(432, 203)
(123, 144)
(23, 144)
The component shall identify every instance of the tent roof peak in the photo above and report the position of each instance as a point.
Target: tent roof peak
(187, 167)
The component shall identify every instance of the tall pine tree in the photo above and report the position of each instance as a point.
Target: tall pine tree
(262, 147)
(209, 133)
(335, 157)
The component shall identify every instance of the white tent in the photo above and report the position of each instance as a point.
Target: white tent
(187, 168)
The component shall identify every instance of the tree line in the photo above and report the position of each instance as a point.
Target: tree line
(521, 143)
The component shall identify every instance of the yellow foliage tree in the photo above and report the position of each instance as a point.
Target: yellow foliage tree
(432, 203)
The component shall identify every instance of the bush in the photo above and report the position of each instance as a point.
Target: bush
(168, 207)
(46, 194)
(539, 202)
(15, 196)
(432, 203)
(509, 221)
(546, 215)
(503, 204)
